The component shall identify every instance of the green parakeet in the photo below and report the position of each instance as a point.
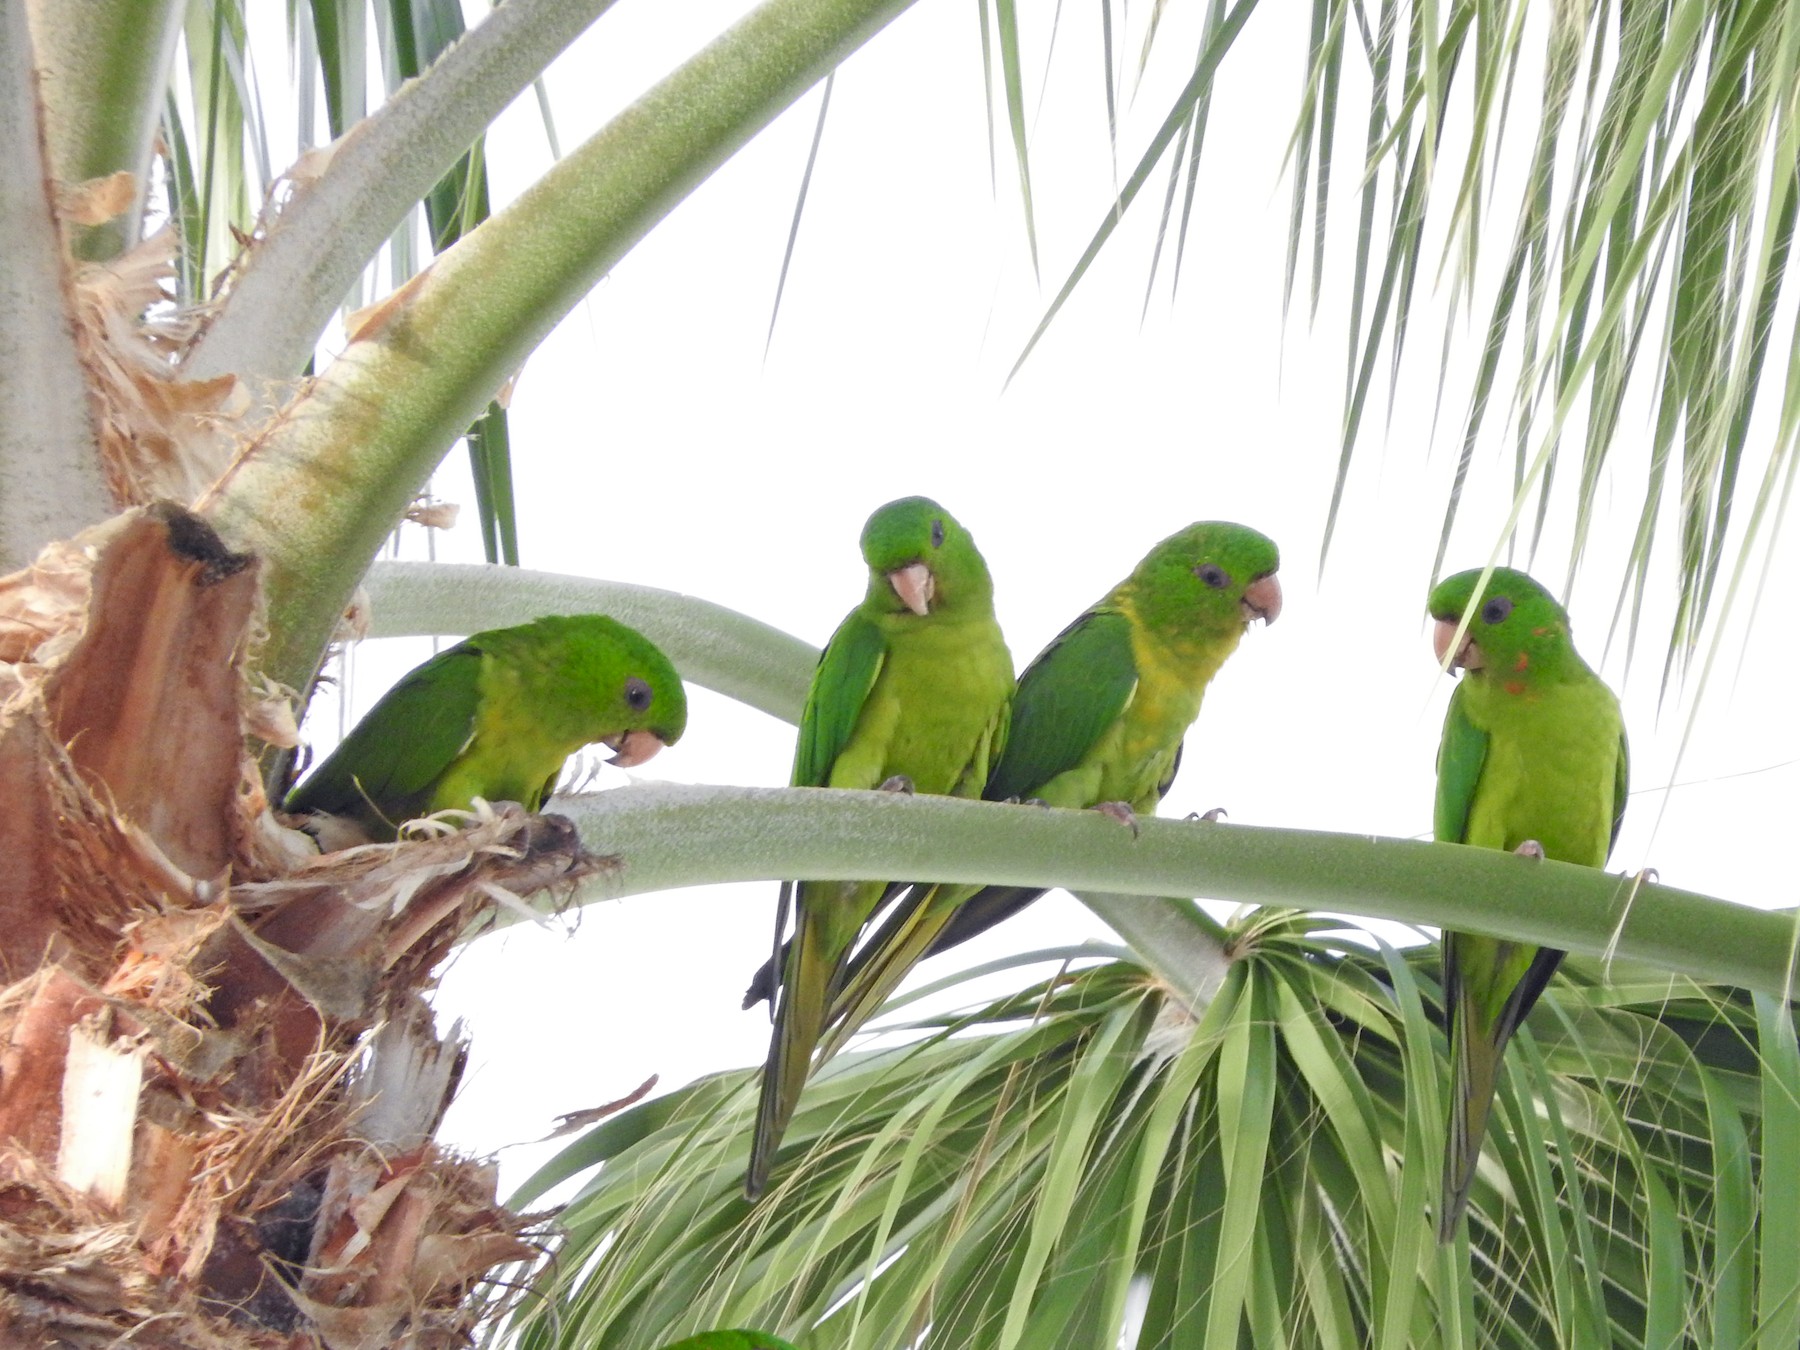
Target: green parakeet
(1098, 720)
(1532, 760)
(913, 686)
(495, 716)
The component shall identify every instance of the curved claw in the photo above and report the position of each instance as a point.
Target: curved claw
(1120, 812)
(1216, 816)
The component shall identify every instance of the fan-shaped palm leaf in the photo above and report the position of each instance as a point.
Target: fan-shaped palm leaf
(1092, 1155)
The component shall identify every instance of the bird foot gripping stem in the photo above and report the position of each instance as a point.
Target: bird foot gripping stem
(1122, 813)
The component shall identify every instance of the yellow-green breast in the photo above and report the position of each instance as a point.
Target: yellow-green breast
(1550, 769)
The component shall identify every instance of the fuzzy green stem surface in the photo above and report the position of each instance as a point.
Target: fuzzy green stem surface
(103, 66)
(670, 836)
(292, 282)
(1170, 936)
(317, 492)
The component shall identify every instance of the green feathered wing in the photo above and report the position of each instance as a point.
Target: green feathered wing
(384, 772)
(1066, 702)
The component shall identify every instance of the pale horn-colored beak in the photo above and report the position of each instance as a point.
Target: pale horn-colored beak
(633, 748)
(1262, 599)
(915, 586)
(1468, 656)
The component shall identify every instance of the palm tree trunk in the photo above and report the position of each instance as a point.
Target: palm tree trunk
(218, 1076)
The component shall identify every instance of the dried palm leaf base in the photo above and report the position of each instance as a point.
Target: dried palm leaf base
(219, 1078)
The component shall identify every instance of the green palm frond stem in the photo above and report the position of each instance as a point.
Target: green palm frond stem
(677, 835)
(317, 491)
(287, 288)
(1093, 1154)
(105, 65)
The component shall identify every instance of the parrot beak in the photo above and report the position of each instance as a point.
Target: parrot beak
(633, 748)
(915, 586)
(1262, 600)
(1468, 656)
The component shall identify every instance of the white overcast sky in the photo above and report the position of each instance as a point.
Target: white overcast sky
(654, 443)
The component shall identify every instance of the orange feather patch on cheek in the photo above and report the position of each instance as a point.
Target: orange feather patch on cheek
(1522, 662)
(1514, 686)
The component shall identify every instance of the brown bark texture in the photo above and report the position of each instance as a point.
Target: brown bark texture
(219, 1078)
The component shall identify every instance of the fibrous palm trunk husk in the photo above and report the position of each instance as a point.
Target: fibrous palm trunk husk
(218, 1076)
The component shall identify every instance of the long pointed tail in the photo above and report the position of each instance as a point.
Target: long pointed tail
(799, 1021)
(762, 984)
(1475, 1059)
(1477, 1046)
(883, 962)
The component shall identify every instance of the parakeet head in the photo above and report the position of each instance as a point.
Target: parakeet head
(1518, 632)
(921, 559)
(635, 691)
(1211, 579)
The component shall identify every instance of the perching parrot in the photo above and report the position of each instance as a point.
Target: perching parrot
(1097, 721)
(911, 692)
(1532, 760)
(495, 716)
(731, 1340)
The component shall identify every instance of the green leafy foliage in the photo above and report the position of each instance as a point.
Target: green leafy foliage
(1091, 1154)
(210, 134)
(1645, 270)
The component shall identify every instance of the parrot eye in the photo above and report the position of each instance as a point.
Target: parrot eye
(1213, 575)
(637, 694)
(937, 534)
(1496, 609)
